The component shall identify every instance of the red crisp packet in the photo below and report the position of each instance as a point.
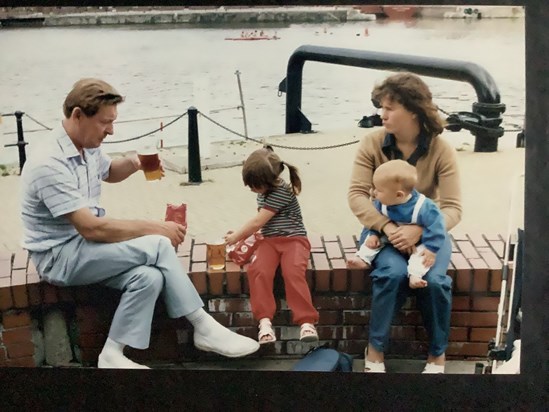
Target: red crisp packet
(177, 214)
(242, 252)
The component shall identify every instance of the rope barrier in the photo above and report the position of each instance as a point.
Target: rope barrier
(145, 119)
(277, 145)
(149, 133)
(37, 122)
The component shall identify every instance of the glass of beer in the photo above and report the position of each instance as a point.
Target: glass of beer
(150, 162)
(215, 254)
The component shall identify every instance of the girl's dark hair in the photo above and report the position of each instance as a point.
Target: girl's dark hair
(262, 169)
(412, 92)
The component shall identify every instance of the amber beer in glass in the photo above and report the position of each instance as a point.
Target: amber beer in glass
(215, 254)
(150, 162)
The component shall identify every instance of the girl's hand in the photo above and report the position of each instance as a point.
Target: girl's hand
(230, 239)
(405, 236)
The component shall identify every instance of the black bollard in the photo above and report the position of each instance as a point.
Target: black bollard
(486, 138)
(20, 140)
(195, 172)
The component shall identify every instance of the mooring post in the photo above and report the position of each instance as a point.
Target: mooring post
(195, 172)
(20, 140)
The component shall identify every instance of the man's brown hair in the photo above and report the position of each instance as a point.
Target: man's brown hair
(89, 95)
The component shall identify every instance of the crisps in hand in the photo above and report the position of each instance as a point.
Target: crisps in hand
(242, 252)
(177, 214)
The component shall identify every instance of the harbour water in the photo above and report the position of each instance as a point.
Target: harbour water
(163, 70)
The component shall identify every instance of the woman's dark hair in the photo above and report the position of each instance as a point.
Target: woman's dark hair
(263, 168)
(412, 92)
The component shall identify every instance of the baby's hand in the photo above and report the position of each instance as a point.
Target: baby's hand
(417, 282)
(428, 258)
(373, 241)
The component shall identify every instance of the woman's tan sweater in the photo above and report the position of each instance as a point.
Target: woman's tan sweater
(438, 179)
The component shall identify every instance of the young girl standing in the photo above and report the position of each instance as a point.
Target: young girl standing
(285, 243)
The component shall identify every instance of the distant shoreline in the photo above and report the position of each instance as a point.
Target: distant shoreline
(98, 16)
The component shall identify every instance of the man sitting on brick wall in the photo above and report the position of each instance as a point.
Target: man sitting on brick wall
(71, 242)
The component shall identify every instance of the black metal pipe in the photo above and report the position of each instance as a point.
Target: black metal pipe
(195, 171)
(483, 83)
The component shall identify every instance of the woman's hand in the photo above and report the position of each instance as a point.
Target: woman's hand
(405, 237)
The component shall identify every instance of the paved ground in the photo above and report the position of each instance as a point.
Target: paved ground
(221, 202)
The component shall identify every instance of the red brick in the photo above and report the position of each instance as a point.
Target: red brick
(353, 332)
(25, 362)
(198, 267)
(461, 303)
(215, 282)
(478, 240)
(467, 349)
(352, 346)
(199, 253)
(459, 262)
(333, 250)
(34, 294)
(457, 236)
(482, 334)
(234, 286)
(493, 236)
(403, 332)
(467, 249)
(480, 280)
(458, 334)
(356, 317)
(498, 246)
(340, 302)
(492, 260)
(348, 243)
(339, 281)
(185, 263)
(5, 268)
(484, 303)
(91, 340)
(316, 242)
(243, 319)
(463, 281)
(6, 300)
(329, 317)
(17, 335)
(185, 248)
(330, 238)
(483, 319)
(224, 318)
(20, 350)
(322, 272)
(3, 356)
(329, 332)
(20, 297)
(65, 294)
(229, 305)
(358, 281)
(15, 319)
(49, 293)
(496, 277)
(20, 259)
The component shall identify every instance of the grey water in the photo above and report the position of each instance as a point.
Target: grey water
(163, 70)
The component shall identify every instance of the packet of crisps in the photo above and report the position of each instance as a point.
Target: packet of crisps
(242, 252)
(177, 214)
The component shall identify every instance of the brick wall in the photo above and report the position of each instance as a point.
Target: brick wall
(342, 297)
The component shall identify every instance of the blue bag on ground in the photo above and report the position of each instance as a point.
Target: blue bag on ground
(324, 359)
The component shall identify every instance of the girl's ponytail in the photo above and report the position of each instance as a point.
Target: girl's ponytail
(295, 180)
